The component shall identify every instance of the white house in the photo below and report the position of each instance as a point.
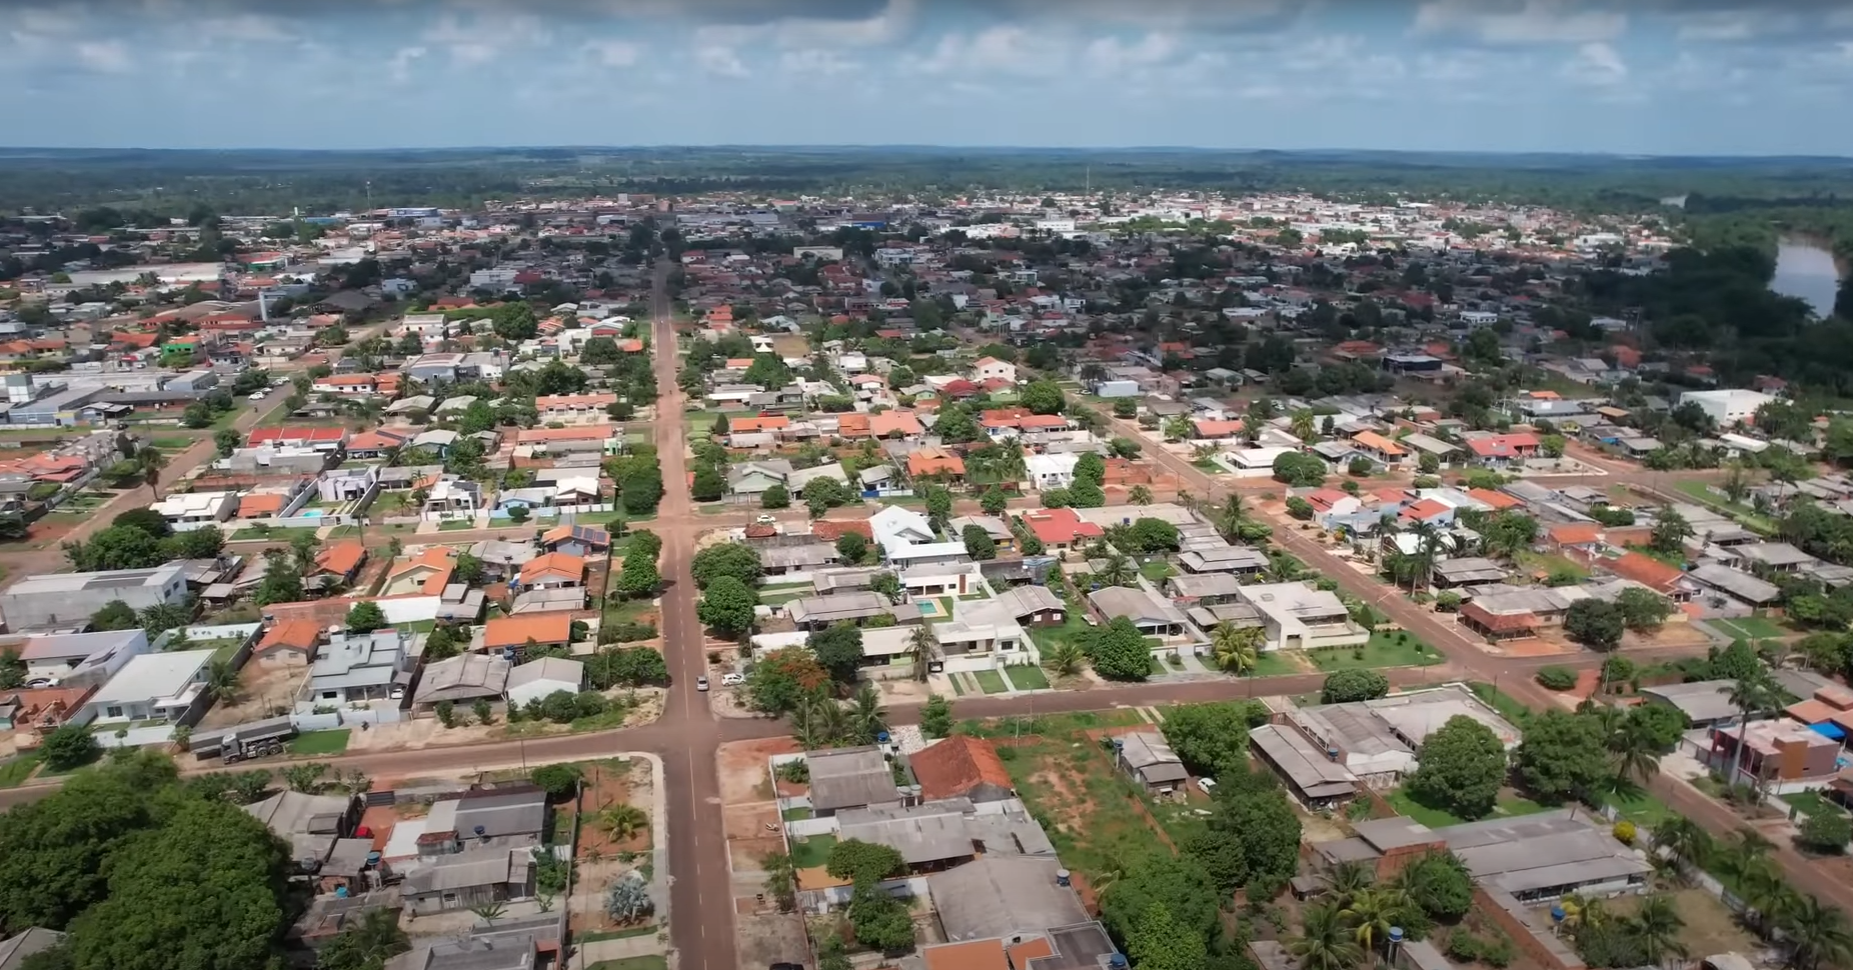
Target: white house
(196, 510)
(990, 368)
(536, 679)
(1055, 470)
(1301, 616)
(163, 686)
(1727, 407)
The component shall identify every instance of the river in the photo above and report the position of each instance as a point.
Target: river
(1805, 269)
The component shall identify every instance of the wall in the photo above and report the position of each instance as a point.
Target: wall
(1503, 911)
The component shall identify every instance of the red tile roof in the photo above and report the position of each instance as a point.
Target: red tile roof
(1059, 525)
(957, 765)
(514, 631)
(1645, 570)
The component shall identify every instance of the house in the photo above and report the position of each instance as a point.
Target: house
(74, 659)
(1011, 898)
(167, 687)
(1032, 606)
(196, 510)
(1155, 617)
(451, 497)
(290, 643)
(1466, 571)
(555, 570)
(1543, 856)
(961, 766)
(1499, 450)
(1317, 780)
(936, 464)
(990, 368)
(355, 669)
(1379, 449)
(311, 824)
(1146, 758)
(428, 573)
(576, 540)
(846, 778)
(340, 562)
(1060, 530)
(1051, 470)
(1722, 586)
(1301, 616)
(462, 679)
(511, 634)
(818, 612)
(536, 679)
(991, 525)
(467, 879)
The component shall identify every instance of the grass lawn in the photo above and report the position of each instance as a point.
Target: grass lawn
(777, 597)
(1156, 570)
(1701, 493)
(625, 934)
(606, 518)
(796, 814)
(1639, 807)
(1812, 803)
(1751, 628)
(1385, 649)
(958, 687)
(173, 444)
(1537, 562)
(809, 853)
(989, 681)
(650, 962)
(619, 610)
(1507, 705)
(17, 770)
(328, 742)
(265, 535)
(457, 525)
(1027, 677)
(1506, 806)
(1068, 779)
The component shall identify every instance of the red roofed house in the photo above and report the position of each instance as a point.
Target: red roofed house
(321, 439)
(1060, 529)
(1503, 449)
(1208, 429)
(1649, 572)
(1497, 501)
(961, 766)
(935, 463)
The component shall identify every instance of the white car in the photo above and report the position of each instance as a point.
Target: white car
(1206, 786)
(732, 680)
(257, 396)
(701, 683)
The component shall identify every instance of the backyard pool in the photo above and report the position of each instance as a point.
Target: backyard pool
(309, 514)
(931, 608)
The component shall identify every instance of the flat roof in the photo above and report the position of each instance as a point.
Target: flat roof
(106, 579)
(151, 675)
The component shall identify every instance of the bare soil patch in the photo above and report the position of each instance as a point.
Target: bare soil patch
(742, 766)
(261, 689)
(608, 786)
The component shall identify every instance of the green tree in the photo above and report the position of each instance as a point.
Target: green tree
(1562, 757)
(1237, 649)
(978, 543)
(853, 547)
(1043, 397)
(639, 577)
(1119, 651)
(838, 648)
(708, 485)
(1325, 941)
(1460, 768)
(1642, 609)
(859, 861)
(1670, 531)
(1440, 883)
(727, 606)
(936, 717)
(1157, 942)
(775, 497)
(68, 747)
(365, 617)
(1595, 623)
(880, 920)
(1179, 884)
(1357, 684)
(115, 615)
(783, 679)
(1817, 935)
(733, 559)
(365, 944)
(558, 781)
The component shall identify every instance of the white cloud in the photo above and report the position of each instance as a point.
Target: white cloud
(1530, 22)
(1596, 64)
(720, 61)
(107, 56)
(614, 53)
(1110, 55)
(485, 35)
(816, 63)
(247, 27)
(399, 68)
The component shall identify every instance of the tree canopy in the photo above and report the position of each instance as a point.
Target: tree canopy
(1460, 768)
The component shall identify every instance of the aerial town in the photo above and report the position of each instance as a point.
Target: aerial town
(1158, 581)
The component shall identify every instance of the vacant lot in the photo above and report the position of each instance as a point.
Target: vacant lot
(1387, 648)
(1750, 628)
(262, 688)
(1710, 927)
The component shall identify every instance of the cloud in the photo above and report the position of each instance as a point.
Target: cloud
(816, 63)
(1529, 22)
(614, 53)
(720, 61)
(485, 35)
(399, 69)
(1596, 64)
(106, 56)
(247, 28)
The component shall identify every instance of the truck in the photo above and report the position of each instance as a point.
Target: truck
(256, 739)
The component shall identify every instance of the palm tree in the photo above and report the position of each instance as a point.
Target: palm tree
(1188, 500)
(489, 912)
(920, 650)
(165, 616)
(1372, 912)
(1636, 757)
(1231, 515)
(1117, 571)
(1656, 925)
(623, 822)
(1750, 695)
(1140, 495)
(222, 681)
(1683, 841)
(1064, 659)
(152, 462)
(1303, 426)
(864, 715)
(1580, 913)
(1427, 547)
(1325, 942)
(1237, 649)
(1817, 934)
(1282, 567)
(781, 880)
(814, 722)
(1347, 879)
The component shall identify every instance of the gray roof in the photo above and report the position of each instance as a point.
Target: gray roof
(1134, 604)
(1701, 701)
(1021, 601)
(805, 554)
(1544, 851)
(1314, 774)
(1472, 569)
(309, 823)
(467, 870)
(850, 778)
(16, 948)
(1004, 896)
(499, 952)
(465, 677)
(952, 828)
(1147, 753)
(837, 606)
(521, 810)
(1204, 584)
(1741, 585)
(547, 668)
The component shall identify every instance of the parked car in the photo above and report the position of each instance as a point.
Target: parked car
(701, 683)
(1206, 786)
(732, 680)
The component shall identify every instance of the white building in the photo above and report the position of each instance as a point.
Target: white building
(1727, 407)
(495, 280)
(990, 368)
(186, 511)
(1300, 616)
(163, 686)
(1055, 470)
(536, 679)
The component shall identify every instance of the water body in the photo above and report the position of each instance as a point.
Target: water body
(1806, 270)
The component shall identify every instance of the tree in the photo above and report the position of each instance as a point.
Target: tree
(775, 497)
(852, 547)
(115, 615)
(1208, 736)
(1562, 757)
(1157, 942)
(1826, 832)
(1119, 651)
(1817, 934)
(365, 944)
(1684, 843)
(727, 605)
(1179, 884)
(838, 648)
(365, 617)
(1349, 686)
(623, 822)
(1043, 397)
(878, 919)
(12, 669)
(1064, 658)
(68, 747)
(858, 861)
(741, 562)
(1299, 470)
(1594, 623)
(151, 462)
(1440, 884)
(117, 547)
(888, 585)
(784, 678)
(628, 900)
(1237, 649)
(993, 501)
(1670, 531)
(558, 781)
(781, 880)
(708, 485)
(936, 717)
(639, 577)
(1655, 927)
(768, 371)
(1509, 533)
(1460, 768)
(1325, 941)
(978, 543)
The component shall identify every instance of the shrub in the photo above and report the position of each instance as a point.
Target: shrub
(1557, 678)
(1624, 832)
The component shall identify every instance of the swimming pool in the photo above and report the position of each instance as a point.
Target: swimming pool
(309, 514)
(930, 608)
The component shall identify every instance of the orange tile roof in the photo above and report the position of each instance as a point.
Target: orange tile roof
(934, 461)
(1645, 570)
(302, 634)
(1575, 533)
(342, 558)
(1377, 442)
(976, 955)
(1498, 500)
(260, 505)
(773, 422)
(886, 423)
(1023, 953)
(1216, 429)
(1811, 712)
(1426, 509)
(852, 424)
(513, 631)
(957, 765)
(435, 558)
(553, 564)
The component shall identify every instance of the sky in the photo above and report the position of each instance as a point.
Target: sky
(1665, 77)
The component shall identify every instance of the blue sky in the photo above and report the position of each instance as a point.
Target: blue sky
(1646, 76)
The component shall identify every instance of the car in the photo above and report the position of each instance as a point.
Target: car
(257, 395)
(732, 680)
(701, 683)
(764, 519)
(1206, 786)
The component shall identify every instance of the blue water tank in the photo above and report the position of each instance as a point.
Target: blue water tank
(480, 831)
(881, 737)
(1116, 961)
(1557, 914)
(1396, 934)
(373, 859)
(340, 892)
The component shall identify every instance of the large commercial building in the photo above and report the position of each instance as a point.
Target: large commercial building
(65, 601)
(1727, 407)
